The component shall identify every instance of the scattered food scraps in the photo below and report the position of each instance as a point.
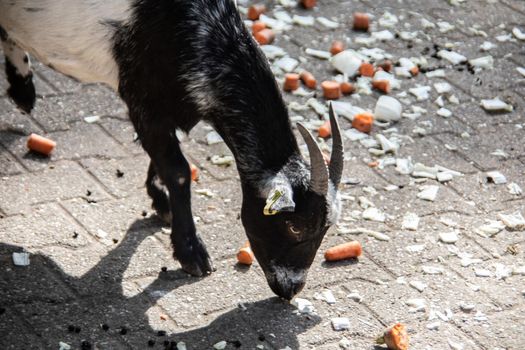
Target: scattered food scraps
(343, 251)
(40, 144)
(395, 337)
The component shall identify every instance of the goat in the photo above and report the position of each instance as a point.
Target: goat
(174, 63)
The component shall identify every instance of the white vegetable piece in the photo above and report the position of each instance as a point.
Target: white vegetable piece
(448, 237)
(416, 304)
(432, 270)
(410, 222)
(303, 20)
(340, 323)
(515, 189)
(374, 214)
(451, 56)
(443, 88)
(513, 221)
(213, 138)
(497, 177)
(384, 35)
(388, 109)
(496, 104)
(304, 306)
(21, 259)
(518, 33)
(487, 46)
(418, 285)
(486, 62)
(428, 193)
(327, 23)
(420, 92)
(444, 112)
(220, 345)
(324, 55)
(347, 62)
(287, 64)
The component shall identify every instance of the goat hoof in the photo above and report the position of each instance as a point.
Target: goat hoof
(195, 260)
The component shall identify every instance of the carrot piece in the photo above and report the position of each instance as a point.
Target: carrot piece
(347, 88)
(245, 255)
(308, 4)
(257, 26)
(395, 337)
(386, 65)
(414, 70)
(363, 122)
(373, 164)
(265, 36)
(308, 79)
(366, 69)
(325, 130)
(331, 89)
(255, 11)
(381, 85)
(194, 172)
(291, 82)
(344, 251)
(361, 21)
(337, 46)
(40, 144)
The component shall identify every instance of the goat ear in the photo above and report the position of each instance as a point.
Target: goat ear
(280, 199)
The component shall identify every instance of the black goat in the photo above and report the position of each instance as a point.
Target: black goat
(174, 63)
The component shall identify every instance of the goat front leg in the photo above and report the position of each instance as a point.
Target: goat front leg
(158, 194)
(173, 170)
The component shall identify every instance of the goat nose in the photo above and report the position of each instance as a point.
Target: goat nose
(286, 283)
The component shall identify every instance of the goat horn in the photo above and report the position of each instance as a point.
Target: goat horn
(337, 157)
(318, 170)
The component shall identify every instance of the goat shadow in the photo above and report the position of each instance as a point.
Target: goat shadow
(38, 310)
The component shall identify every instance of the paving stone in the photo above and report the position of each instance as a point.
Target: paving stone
(14, 335)
(122, 130)
(55, 113)
(122, 178)
(8, 164)
(24, 284)
(46, 224)
(63, 180)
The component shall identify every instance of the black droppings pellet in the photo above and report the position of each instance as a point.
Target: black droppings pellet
(2, 310)
(164, 269)
(115, 241)
(262, 337)
(88, 193)
(161, 333)
(236, 343)
(77, 329)
(105, 327)
(75, 234)
(166, 343)
(85, 345)
(151, 343)
(119, 173)
(71, 328)
(144, 213)
(123, 331)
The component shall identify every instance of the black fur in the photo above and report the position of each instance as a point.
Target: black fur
(168, 47)
(21, 89)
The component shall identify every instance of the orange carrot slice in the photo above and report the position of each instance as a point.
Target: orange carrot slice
(395, 338)
(381, 85)
(325, 130)
(308, 4)
(291, 82)
(347, 88)
(255, 11)
(245, 255)
(344, 251)
(194, 172)
(308, 79)
(331, 89)
(265, 36)
(40, 144)
(366, 69)
(414, 70)
(337, 46)
(361, 21)
(386, 65)
(363, 122)
(258, 26)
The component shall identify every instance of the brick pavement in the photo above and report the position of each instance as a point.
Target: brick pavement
(78, 282)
